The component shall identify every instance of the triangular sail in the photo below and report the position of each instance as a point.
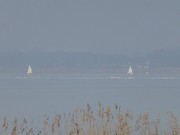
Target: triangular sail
(130, 71)
(29, 70)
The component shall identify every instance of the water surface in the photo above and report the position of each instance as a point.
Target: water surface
(39, 94)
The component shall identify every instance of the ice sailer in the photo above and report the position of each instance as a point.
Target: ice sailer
(29, 72)
(130, 71)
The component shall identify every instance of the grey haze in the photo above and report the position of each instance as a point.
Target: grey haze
(96, 26)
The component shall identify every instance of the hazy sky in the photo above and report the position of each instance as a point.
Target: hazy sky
(110, 26)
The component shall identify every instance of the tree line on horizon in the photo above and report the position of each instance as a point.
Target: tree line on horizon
(157, 59)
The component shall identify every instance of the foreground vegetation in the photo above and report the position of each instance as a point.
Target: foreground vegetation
(101, 122)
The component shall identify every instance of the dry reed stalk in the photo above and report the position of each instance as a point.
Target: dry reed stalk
(30, 132)
(70, 131)
(156, 126)
(52, 128)
(116, 126)
(78, 121)
(77, 130)
(5, 126)
(156, 130)
(103, 124)
(90, 126)
(88, 119)
(67, 123)
(121, 124)
(84, 123)
(15, 128)
(23, 126)
(145, 124)
(138, 123)
(95, 128)
(99, 119)
(58, 118)
(128, 118)
(108, 120)
(45, 132)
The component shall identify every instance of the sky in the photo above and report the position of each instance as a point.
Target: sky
(97, 26)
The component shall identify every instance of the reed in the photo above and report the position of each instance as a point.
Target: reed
(103, 122)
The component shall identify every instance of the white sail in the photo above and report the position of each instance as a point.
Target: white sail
(29, 70)
(130, 71)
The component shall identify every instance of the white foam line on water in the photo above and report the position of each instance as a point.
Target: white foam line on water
(84, 78)
(145, 78)
(18, 77)
(121, 78)
(163, 78)
(90, 78)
